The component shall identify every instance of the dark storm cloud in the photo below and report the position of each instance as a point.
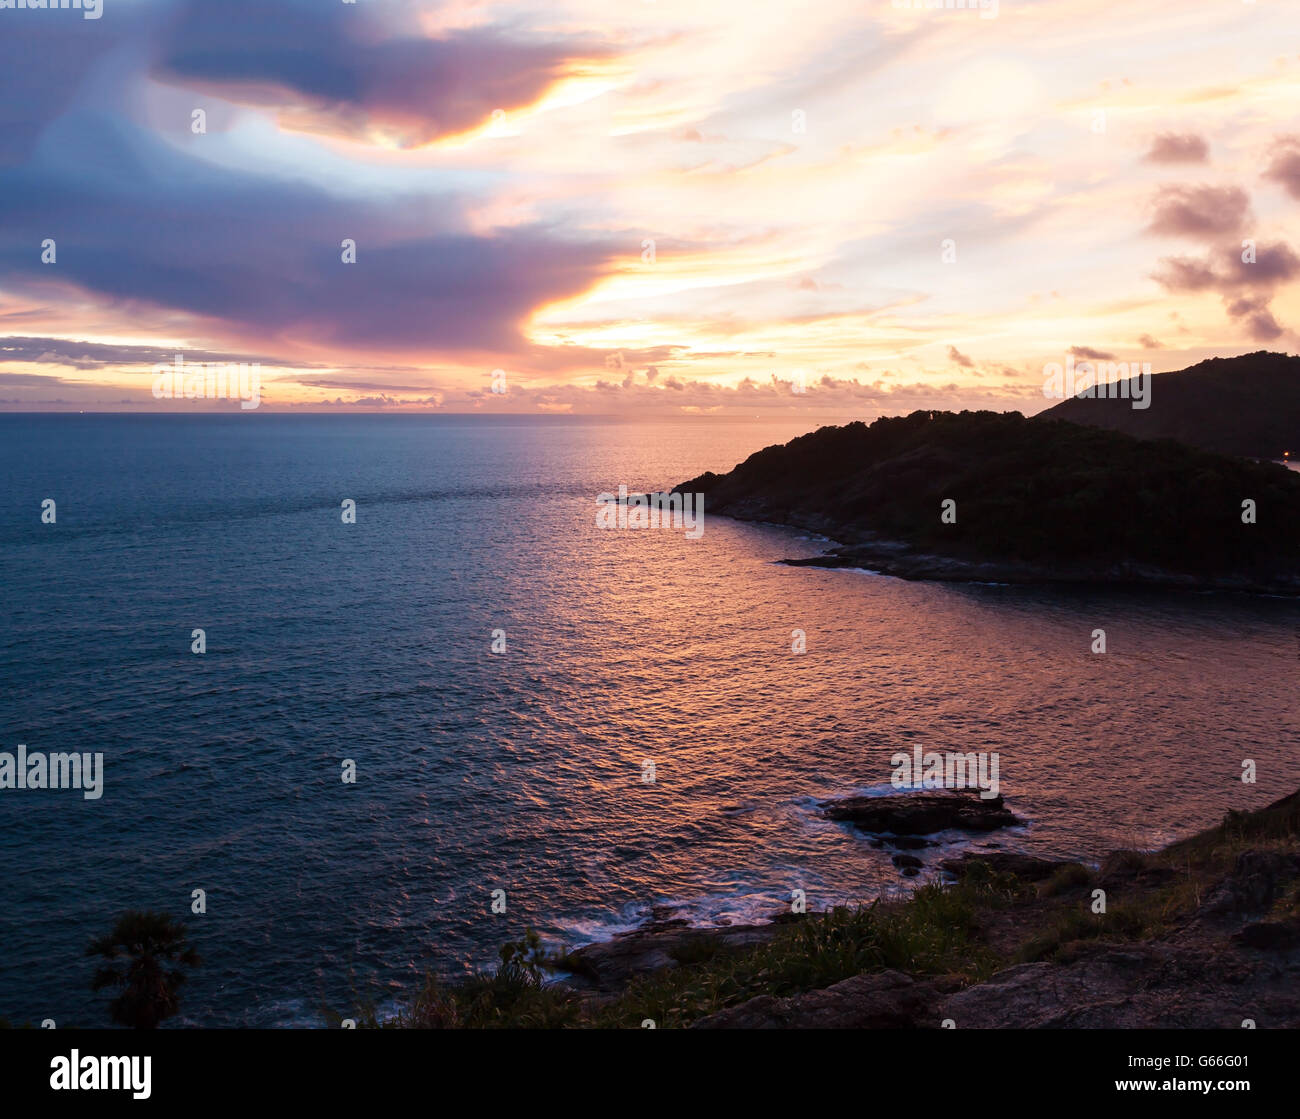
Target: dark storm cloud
(347, 68)
(350, 73)
(45, 65)
(139, 221)
(142, 222)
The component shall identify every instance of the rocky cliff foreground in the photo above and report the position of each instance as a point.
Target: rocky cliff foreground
(1204, 934)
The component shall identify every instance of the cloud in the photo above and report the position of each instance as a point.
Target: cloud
(30, 379)
(358, 386)
(1226, 271)
(1173, 147)
(262, 256)
(1284, 166)
(1182, 273)
(96, 355)
(1254, 311)
(336, 68)
(1149, 343)
(1087, 353)
(1246, 288)
(678, 395)
(1198, 211)
(47, 63)
(518, 249)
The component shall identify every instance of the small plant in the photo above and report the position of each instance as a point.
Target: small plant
(523, 960)
(1062, 941)
(1124, 863)
(992, 886)
(1065, 878)
(515, 995)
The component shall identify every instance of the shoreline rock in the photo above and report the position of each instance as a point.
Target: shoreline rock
(1217, 969)
(883, 1000)
(1234, 957)
(896, 559)
(606, 966)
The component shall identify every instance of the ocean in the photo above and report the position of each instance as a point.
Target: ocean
(524, 769)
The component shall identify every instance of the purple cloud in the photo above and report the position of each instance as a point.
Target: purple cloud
(1246, 280)
(1173, 147)
(347, 71)
(1198, 211)
(1284, 166)
(136, 220)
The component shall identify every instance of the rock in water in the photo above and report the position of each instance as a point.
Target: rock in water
(922, 813)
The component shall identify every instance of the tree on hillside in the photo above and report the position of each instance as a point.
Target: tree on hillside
(144, 949)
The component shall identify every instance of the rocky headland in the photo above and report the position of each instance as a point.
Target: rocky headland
(996, 497)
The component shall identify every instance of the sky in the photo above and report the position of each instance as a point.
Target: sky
(649, 208)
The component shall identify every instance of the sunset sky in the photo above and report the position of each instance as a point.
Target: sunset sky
(656, 207)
